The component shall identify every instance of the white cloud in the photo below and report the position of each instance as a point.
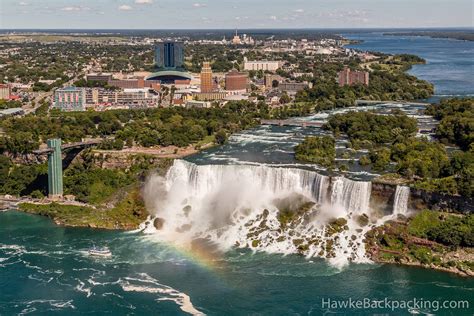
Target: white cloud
(125, 7)
(274, 18)
(143, 1)
(23, 3)
(299, 10)
(199, 5)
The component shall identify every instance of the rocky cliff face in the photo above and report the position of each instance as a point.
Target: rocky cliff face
(383, 197)
(438, 201)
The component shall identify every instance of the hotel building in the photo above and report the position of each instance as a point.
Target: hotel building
(349, 77)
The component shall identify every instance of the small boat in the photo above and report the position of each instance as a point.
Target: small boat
(100, 252)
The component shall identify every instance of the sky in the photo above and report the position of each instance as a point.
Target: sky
(231, 14)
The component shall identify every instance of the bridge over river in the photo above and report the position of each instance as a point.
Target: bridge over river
(55, 161)
(292, 122)
(69, 146)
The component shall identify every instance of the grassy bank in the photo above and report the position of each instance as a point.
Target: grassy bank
(110, 198)
(430, 239)
(127, 214)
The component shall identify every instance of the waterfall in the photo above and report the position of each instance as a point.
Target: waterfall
(204, 179)
(241, 205)
(352, 196)
(400, 202)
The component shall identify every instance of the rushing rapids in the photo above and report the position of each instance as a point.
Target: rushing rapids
(278, 210)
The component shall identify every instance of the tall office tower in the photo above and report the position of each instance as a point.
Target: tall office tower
(169, 55)
(206, 78)
(55, 169)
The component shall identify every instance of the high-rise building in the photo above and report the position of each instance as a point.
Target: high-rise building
(236, 81)
(206, 78)
(349, 77)
(169, 55)
(5, 91)
(55, 169)
(70, 99)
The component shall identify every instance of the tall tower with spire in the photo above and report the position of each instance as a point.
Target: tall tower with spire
(236, 40)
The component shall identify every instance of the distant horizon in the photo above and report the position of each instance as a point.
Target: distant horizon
(453, 28)
(231, 14)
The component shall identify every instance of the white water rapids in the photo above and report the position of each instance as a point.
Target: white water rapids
(239, 205)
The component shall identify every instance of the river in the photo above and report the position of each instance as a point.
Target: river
(46, 269)
(449, 62)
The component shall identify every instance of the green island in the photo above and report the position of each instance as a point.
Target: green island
(394, 148)
(318, 150)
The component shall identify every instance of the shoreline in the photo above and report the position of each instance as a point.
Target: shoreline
(464, 36)
(455, 271)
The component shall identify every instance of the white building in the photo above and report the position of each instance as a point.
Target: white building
(198, 104)
(262, 65)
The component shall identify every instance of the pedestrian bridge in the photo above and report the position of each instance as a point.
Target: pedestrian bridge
(291, 122)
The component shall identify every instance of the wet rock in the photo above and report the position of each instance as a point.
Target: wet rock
(159, 223)
(186, 210)
(363, 220)
(297, 242)
(184, 228)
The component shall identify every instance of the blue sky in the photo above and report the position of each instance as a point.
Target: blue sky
(159, 14)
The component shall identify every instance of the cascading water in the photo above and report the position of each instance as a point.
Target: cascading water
(400, 202)
(280, 210)
(352, 196)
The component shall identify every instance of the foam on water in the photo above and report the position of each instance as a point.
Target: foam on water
(144, 283)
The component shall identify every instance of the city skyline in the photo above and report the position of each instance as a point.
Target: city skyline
(210, 14)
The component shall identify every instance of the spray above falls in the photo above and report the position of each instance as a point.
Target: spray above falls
(278, 210)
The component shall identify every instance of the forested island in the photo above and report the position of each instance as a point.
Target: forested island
(393, 147)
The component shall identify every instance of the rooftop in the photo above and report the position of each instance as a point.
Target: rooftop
(169, 73)
(11, 111)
